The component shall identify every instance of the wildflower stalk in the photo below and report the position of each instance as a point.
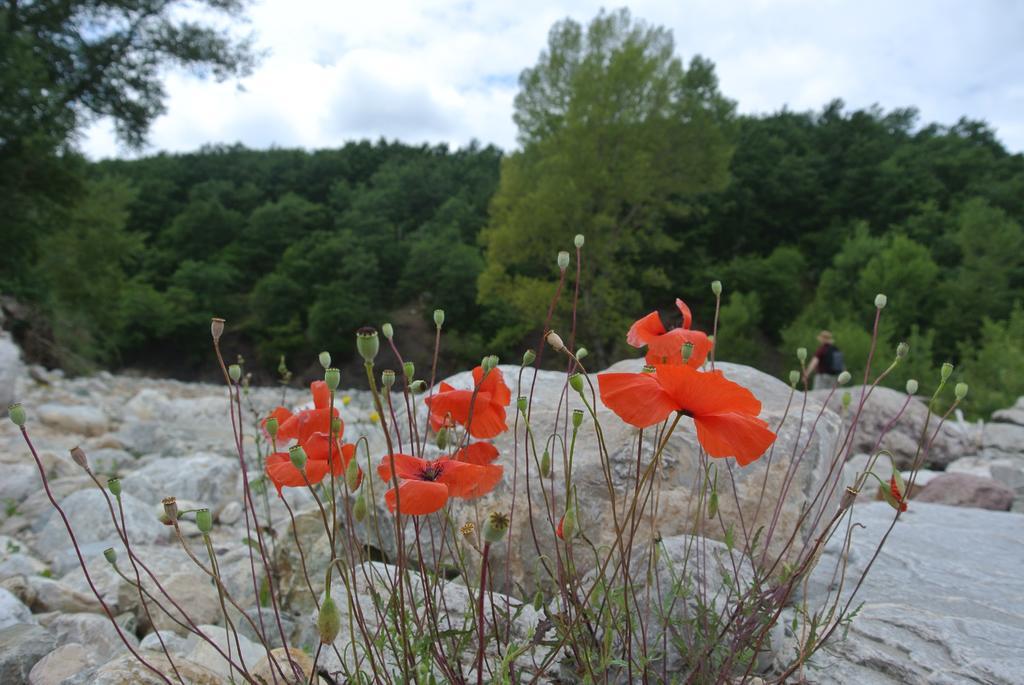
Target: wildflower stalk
(228, 625)
(480, 614)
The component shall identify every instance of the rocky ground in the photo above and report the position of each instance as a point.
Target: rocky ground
(944, 602)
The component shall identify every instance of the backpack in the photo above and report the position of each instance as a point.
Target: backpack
(833, 359)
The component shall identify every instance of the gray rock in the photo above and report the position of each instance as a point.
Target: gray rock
(18, 482)
(206, 478)
(56, 595)
(62, 663)
(881, 407)
(857, 465)
(12, 611)
(127, 670)
(175, 643)
(81, 419)
(21, 647)
(944, 602)
(1014, 414)
(202, 653)
(1002, 440)
(966, 490)
(93, 630)
(230, 514)
(110, 462)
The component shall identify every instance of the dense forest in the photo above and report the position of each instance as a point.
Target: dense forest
(804, 216)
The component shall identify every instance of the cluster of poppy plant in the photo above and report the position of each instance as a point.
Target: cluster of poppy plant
(724, 413)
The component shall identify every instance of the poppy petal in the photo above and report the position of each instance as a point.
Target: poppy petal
(493, 383)
(477, 453)
(321, 394)
(488, 418)
(417, 497)
(685, 311)
(706, 392)
(282, 473)
(737, 435)
(668, 348)
(636, 398)
(645, 330)
(406, 467)
(454, 402)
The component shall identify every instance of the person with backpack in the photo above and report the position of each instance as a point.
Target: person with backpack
(827, 363)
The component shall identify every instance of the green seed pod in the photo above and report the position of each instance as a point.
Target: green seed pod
(686, 351)
(844, 378)
(801, 354)
(946, 372)
(325, 359)
(387, 379)
(577, 418)
(496, 527)
(521, 403)
(716, 288)
(328, 623)
(960, 390)
(563, 260)
(235, 372)
(528, 357)
(298, 457)
(418, 387)
(271, 426)
(880, 301)
(110, 555)
(912, 387)
(794, 377)
(648, 369)
(114, 485)
(576, 382)
(204, 521)
(353, 475)
(367, 343)
(902, 350)
(388, 331)
(332, 377)
(438, 317)
(545, 464)
(578, 240)
(409, 369)
(17, 414)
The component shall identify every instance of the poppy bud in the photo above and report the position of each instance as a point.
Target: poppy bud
(946, 372)
(555, 341)
(110, 555)
(367, 343)
(912, 387)
(578, 240)
(387, 378)
(576, 382)
(960, 390)
(794, 377)
(418, 387)
(298, 457)
(801, 354)
(353, 475)
(282, 368)
(17, 414)
(538, 601)
(409, 369)
(567, 526)
(78, 456)
(582, 353)
(880, 301)
(170, 508)
(442, 438)
(521, 402)
(438, 317)
(496, 527)
(216, 329)
(528, 357)
(847, 398)
(713, 504)
(686, 351)
(235, 372)
(902, 350)
(359, 508)
(271, 425)
(325, 359)
(328, 623)
(332, 377)
(488, 363)
(545, 464)
(647, 369)
(716, 288)
(563, 260)
(388, 330)
(844, 378)
(577, 418)
(204, 522)
(114, 485)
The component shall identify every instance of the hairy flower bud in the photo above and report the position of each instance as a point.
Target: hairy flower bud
(353, 475)
(388, 330)
(528, 357)
(716, 288)
(912, 387)
(801, 354)
(495, 527)
(902, 350)
(545, 464)
(79, 457)
(555, 341)
(880, 301)
(170, 508)
(844, 378)
(946, 372)
(110, 555)
(438, 317)
(332, 377)
(387, 378)
(567, 526)
(794, 377)
(960, 390)
(367, 343)
(489, 362)
(418, 387)
(359, 508)
(582, 353)
(216, 329)
(325, 359)
(235, 372)
(576, 382)
(204, 521)
(577, 418)
(713, 504)
(328, 622)
(578, 240)
(442, 438)
(563, 260)
(409, 370)
(538, 601)
(17, 414)
(298, 457)
(114, 485)
(847, 398)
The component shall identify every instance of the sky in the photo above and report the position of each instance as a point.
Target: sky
(446, 71)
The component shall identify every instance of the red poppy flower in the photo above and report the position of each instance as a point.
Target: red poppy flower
(479, 453)
(665, 347)
(724, 412)
(302, 424)
(488, 415)
(283, 473)
(425, 486)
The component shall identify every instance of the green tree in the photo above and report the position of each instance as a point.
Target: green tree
(617, 136)
(994, 367)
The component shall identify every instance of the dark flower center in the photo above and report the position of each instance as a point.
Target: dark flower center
(432, 472)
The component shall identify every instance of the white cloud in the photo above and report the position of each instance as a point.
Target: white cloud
(433, 71)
